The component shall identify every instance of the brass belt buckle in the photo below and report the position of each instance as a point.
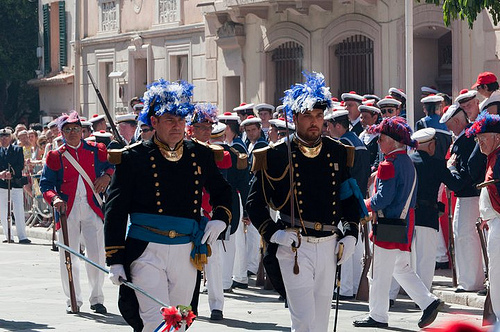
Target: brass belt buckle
(318, 226)
(172, 234)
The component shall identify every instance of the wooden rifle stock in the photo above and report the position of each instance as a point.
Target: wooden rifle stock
(67, 255)
(116, 134)
(364, 287)
(451, 241)
(54, 247)
(489, 317)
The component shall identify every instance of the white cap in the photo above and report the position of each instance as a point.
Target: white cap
(243, 107)
(279, 108)
(465, 94)
(431, 99)
(251, 120)
(451, 111)
(228, 116)
(96, 117)
(264, 106)
(218, 129)
(371, 97)
(336, 114)
(86, 123)
(424, 135)
(281, 124)
(138, 106)
(351, 96)
(429, 90)
(129, 117)
(388, 101)
(369, 107)
(397, 92)
(102, 134)
(52, 123)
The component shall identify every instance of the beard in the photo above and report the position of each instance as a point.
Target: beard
(310, 136)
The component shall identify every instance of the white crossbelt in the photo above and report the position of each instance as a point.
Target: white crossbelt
(314, 239)
(84, 175)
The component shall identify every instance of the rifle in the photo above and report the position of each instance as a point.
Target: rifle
(337, 285)
(9, 208)
(488, 315)
(67, 255)
(117, 135)
(451, 241)
(54, 247)
(364, 286)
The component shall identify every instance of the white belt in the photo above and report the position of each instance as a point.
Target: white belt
(314, 239)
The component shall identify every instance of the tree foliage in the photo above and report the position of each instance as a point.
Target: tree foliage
(18, 61)
(467, 10)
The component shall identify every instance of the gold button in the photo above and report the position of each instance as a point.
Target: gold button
(317, 226)
(298, 184)
(158, 203)
(294, 155)
(153, 166)
(194, 164)
(301, 210)
(328, 155)
(160, 210)
(334, 182)
(155, 175)
(172, 234)
(296, 165)
(334, 213)
(334, 193)
(65, 181)
(157, 184)
(151, 158)
(334, 203)
(195, 172)
(92, 165)
(333, 174)
(196, 182)
(300, 202)
(196, 192)
(297, 175)
(300, 192)
(192, 155)
(195, 201)
(330, 164)
(195, 210)
(157, 194)
(65, 166)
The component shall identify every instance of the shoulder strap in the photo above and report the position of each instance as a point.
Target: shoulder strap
(84, 175)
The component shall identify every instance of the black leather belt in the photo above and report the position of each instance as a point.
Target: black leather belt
(317, 226)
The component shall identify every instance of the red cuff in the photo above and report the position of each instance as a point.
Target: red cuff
(368, 203)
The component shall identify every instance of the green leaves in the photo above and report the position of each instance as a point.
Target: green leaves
(467, 10)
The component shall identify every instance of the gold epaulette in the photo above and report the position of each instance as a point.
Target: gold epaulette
(218, 151)
(351, 150)
(242, 161)
(115, 155)
(260, 159)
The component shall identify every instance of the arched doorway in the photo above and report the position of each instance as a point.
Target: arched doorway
(287, 59)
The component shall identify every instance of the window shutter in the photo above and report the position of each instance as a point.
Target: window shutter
(63, 53)
(46, 38)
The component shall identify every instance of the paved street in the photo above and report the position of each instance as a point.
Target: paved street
(31, 300)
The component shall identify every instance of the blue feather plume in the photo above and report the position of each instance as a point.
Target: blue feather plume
(203, 112)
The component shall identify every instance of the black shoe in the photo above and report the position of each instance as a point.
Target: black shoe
(250, 273)
(391, 303)
(239, 285)
(442, 266)
(229, 290)
(25, 241)
(369, 322)
(482, 292)
(216, 315)
(70, 311)
(460, 290)
(345, 297)
(99, 308)
(430, 313)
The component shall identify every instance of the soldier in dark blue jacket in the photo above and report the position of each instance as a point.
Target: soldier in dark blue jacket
(11, 167)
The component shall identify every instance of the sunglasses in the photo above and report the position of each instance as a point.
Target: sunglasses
(387, 110)
(146, 130)
(74, 129)
(42, 143)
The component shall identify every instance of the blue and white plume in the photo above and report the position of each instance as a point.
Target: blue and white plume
(167, 97)
(203, 112)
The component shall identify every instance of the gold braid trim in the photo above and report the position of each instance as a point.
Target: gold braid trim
(259, 159)
(229, 214)
(268, 202)
(264, 224)
(278, 178)
(199, 260)
(115, 247)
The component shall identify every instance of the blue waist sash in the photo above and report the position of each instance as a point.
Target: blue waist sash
(191, 231)
(349, 188)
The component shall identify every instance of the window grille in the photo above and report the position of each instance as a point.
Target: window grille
(109, 16)
(287, 58)
(355, 65)
(168, 11)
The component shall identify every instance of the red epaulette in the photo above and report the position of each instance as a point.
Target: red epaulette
(53, 160)
(386, 170)
(102, 152)
(226, 162)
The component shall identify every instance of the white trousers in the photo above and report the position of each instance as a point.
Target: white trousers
(228, 257)
(441, 250)
(253, 248)
(393, 262)
(18, 209)
(214, 269)
(240, 267)
(352, 268)
(84, 225)
(425, 241)
(468, 259)
(494, 264)
(309, 293)
(166, 272)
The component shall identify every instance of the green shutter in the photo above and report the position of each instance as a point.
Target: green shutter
(46, 38)
(63, 52)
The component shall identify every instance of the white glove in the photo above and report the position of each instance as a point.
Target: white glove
(116, 271)
(285, 238)
(349, 246)
(213, 230)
